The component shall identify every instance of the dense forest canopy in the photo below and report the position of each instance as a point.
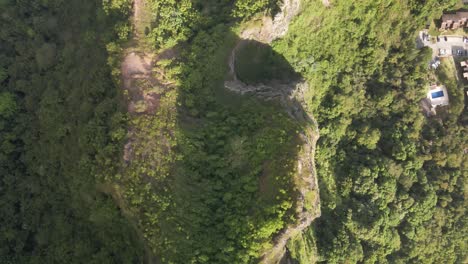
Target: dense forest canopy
(203, 204)
(211, 178)
(58, 104)
(392, 182)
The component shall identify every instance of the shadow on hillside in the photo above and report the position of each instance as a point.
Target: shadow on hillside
(242, 135)
(257, 62)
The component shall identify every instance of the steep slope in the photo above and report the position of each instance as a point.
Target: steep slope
(251, 159)
(290, 94)
(386, 172)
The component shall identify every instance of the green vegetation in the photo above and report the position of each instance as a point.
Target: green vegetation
(392, 182)
(57, 107)
(222, 184)
(178, 21)
(209, 180)
(247, 8)
(173, 22)
(209, 176)
(447, 75)
(302, 248)
(433, 29)
(62, 142)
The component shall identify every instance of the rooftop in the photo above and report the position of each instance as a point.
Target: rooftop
(461, 15)
(454, 20)
(438, 95)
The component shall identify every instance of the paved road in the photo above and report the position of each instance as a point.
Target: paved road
(451, 46)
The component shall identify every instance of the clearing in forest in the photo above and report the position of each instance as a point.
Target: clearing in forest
(139, 77)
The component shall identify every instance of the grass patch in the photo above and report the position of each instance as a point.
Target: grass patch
(447, 75)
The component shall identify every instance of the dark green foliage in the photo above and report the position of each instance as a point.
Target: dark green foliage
(7, 105)
(392, 182)
(56, 103)
(257, 62)
(173, 22)
(230, 187)
(221, 188)
(247, 8)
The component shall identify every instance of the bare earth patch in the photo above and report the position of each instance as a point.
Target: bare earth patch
(139, 81)
(143, 81)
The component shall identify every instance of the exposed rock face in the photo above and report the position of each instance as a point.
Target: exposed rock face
(291, 97)
(276, 27)
(308, 204)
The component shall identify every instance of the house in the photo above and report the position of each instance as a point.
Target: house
(454, 21)
(438, 95)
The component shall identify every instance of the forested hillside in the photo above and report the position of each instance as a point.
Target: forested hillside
(58, 106)
(210, 176)
(392, 182)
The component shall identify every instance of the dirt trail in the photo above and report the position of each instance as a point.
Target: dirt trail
(144, 85)
(143, 81)
(137, 7)
(291, 97)
(138, 64)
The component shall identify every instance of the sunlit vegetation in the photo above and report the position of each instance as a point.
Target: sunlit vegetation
(392, 182)
(209, 177)
(224, 185)
(209, 180)
(178, 21)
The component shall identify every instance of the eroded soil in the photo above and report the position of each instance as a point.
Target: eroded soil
(144, 83)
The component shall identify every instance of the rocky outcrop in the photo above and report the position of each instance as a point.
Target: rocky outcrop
(308, 203)
(307, 208)
(274, 27)
(291, 97)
